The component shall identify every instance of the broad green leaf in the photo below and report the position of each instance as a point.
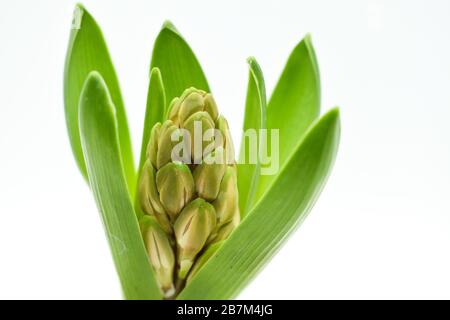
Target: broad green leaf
(154, 112)
(87, 52)
(294, 105)
(179, 67)
(273, 218)
(99, 139)
(254, 118)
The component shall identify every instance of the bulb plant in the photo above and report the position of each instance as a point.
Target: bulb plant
(195, 224)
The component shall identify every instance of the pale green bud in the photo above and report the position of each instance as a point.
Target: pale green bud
(160, 253)
(211, 106)
(197, 124)
(191, 101)
(166, 143)
(208, 175)
(226, 203)
(222, 125)
(176, 187)
(192, 228)
(152, 147)
(174, 107)
(191, 104)
(149, 197)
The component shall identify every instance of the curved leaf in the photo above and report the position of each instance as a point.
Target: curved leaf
(99, 139)
(87, 51)
(154, 112)
(294, 105)
(274, 217)
(156, 102)
(179, 67)
(255, 118)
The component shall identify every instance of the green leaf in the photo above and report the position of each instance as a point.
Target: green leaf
(99, 139)
(154, 113)
(87, 52)
(156, 102)
(179, 67)
(294, 105)
(274, 217)
(255, 118)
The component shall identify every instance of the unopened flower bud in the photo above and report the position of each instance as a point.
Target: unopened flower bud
(208, 175)
(197, 124)
(192, 229)
(152, 147)
(166, 143)
(190, 102)
(160, 253)
(226, 202)
(176, 188)
(149, 197)
(222, 125)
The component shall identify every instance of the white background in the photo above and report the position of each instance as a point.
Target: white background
(382, 226)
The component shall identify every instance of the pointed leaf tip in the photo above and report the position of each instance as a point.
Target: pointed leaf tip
(312, 53)
(94, 78)
(251, 60)
(77, 16)
(80, 6)
(95, 88)
(169, 26)
(332, 115)
(180, 69)
(308, 37)
(336, 111)
(257, 74)
(155, 72)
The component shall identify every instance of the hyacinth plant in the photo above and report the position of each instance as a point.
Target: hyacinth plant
(195, 224)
